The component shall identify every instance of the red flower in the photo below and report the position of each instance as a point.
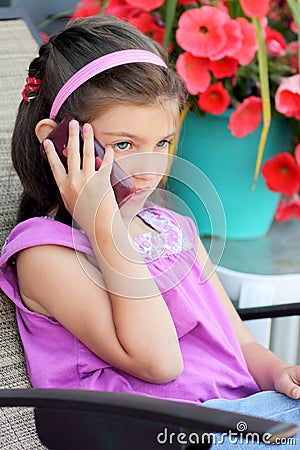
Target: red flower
(44, 36)
(194, 71)
(287, 97)
(145, 23)
(124, 12)
(255, 8)
(275, 42)
(288, 208)
(86, 8)
(232, 43)
(188, 2)
(146, 5)
(294, 27)
(282, 174)
(297, 154)
(215, 99)
(246, 118)
(201, 32)
(225, 67)
(247, 50)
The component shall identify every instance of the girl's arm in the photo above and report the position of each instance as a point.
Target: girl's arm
(269, 371)
(136, 336)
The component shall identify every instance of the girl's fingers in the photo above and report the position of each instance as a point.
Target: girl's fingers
(108, 158)
(88, 149)
(295, 393)
(73, 147)
(58, 170)
(106, 164)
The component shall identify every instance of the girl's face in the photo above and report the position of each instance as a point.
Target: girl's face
(141, 138)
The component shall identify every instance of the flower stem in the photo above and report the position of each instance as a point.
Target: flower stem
(66, 14)
(265, 94)
(61, 15)
(105, 5)
(169, 20)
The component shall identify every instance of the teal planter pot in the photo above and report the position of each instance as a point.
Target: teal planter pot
(212, 177)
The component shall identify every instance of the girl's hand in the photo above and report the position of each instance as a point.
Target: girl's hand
(84, 190)
(287, 381)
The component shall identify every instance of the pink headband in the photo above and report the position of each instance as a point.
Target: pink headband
(100, 65)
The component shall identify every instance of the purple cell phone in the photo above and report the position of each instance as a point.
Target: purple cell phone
(122, 185)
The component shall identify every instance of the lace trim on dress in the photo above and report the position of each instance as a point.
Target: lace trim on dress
(165, 240)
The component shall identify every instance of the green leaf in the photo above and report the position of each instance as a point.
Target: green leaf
(235, 9)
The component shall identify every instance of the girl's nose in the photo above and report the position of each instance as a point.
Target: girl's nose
(144, 164)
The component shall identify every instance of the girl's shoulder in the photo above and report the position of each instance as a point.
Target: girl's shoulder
(43, 231)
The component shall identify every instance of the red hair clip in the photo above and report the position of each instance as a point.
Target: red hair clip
(32, 85)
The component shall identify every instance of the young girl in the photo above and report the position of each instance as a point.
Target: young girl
(108, 296)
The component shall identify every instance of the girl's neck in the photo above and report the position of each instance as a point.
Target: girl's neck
(138, 226)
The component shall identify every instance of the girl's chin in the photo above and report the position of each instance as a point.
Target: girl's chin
(140, 194)
(135, 202)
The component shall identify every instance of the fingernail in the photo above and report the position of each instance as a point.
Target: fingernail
(46, 143)
(296, 392)
(87, 127)
(73, 123)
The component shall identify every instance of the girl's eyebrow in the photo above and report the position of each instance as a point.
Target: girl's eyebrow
(120, 133)
(133, 136)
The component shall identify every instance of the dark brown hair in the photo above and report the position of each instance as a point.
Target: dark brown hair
(82, 41)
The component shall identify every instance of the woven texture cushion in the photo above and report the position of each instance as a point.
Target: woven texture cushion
(17, 48)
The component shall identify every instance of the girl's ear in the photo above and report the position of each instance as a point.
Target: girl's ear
(43, 128)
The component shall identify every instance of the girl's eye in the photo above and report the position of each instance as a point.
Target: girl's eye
(163, 144)
(122, 146)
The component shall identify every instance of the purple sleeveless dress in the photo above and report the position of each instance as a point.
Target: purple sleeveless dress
(214, 366)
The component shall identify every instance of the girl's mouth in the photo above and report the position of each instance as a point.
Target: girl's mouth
(141, 191)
